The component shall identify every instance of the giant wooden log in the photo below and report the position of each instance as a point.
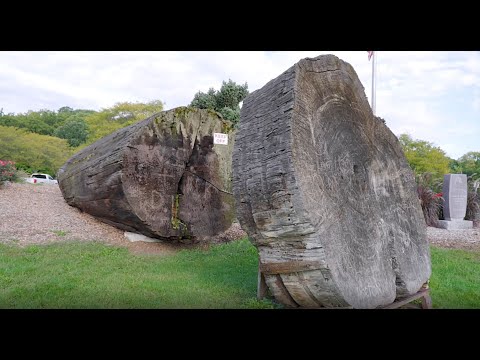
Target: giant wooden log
(324, 191)
(162, 177)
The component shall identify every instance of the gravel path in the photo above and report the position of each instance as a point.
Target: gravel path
(459, 239)
(38, 214)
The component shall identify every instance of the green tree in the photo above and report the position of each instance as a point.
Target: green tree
(122, 114)
(226, 101)
(40, 123)
(8, 120)
(425, 157)
(469, 164)
(205, 100)
(33, 152)
(65, 109)
(44, 122)
(74, 130)
(455, 167)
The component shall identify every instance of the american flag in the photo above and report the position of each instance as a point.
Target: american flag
(370, 54)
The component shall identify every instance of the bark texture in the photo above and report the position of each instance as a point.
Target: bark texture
(162, 177)
(323, 189)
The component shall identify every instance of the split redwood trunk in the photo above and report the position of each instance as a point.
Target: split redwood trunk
(162, 177)
(324, 191)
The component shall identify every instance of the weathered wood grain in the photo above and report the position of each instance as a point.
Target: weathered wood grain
(318, 179)
(162, 177)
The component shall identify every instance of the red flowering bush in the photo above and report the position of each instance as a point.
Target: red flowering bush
(8, 172)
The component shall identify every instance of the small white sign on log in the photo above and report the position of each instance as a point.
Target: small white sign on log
(219, 138)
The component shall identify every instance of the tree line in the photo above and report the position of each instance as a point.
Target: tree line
(425, 157)
(43, 140)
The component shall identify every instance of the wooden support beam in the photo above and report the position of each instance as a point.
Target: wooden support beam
(261, 286)
(422, 293)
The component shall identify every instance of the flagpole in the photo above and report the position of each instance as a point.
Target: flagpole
(374, 55)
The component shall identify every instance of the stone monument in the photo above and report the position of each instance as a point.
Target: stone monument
(455, 202)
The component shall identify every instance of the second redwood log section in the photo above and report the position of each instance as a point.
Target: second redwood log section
(324, 191)
(162, 177)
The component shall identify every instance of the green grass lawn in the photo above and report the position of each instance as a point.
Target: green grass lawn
(455, 280)
(94, 275)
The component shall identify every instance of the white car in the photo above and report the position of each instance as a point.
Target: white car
(41, 178)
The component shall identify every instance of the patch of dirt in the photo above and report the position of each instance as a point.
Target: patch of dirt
(38, 214)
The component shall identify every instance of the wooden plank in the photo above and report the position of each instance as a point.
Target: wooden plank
(412, 306)
(397, 304)
(427, 301)
(261, 286)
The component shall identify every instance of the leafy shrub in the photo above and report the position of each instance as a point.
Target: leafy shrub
(33, 152)
(226, 101)
(21, 175)
(8, 172)
(75, 131)
(425, 157)
(473, 199)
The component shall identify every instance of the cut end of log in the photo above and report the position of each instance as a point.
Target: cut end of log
(318, 179)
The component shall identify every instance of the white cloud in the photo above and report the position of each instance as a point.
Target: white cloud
(476, 100)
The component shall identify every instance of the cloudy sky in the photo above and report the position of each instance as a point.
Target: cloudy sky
(433, 96)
